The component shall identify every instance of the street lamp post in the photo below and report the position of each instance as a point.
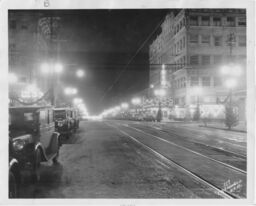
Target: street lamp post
(160, 93)
(136, 101)
(198, 92)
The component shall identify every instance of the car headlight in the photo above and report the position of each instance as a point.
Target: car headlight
(18, 144)
(60, 124)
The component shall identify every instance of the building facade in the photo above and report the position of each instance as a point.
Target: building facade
(195, 45)
(30, 46)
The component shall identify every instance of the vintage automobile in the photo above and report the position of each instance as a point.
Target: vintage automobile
(14, 173)
(64, 122)
(33, 137)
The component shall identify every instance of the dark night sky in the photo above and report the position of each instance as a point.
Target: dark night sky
(102, 42)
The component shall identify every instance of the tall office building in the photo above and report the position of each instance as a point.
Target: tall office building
(201, 48)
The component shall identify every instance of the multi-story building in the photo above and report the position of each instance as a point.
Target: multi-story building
(29, 47)
(193, 46)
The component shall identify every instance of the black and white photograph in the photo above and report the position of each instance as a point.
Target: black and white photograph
(128, 103)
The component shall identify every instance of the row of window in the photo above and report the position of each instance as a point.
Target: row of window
(179, 26)
(203, 60)
(217, 21)
(207, 60)
(215, 40)
(194, 99)
(214, 59)
(206, 40)
(205, 81)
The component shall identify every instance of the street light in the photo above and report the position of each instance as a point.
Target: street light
(80, 73)
(70, 91)
(51, 68)
(136, 101)
(31, 92)
(77, 101)
(160, 92)
(58, 68)
(225, 70)
(198, 91)
(230, 83)
(124, 105)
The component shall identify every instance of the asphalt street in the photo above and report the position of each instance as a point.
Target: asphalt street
(125, 159)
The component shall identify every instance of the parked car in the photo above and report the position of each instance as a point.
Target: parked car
(14, 173)
(64, 122)
(33, 137)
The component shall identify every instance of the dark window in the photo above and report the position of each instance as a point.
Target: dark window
(193, 38)
(24, 27)
(241, 21)
(184, 60)
(242, 41)
(184, 42)
(230, 21)
(13, 24)
(230, 58)
(205, 59)
(205, 21)
(206, 81)
(217, 41)
(194, 81)
(216, 21)
(194, 60)
(217, 59)
(193, 21)
(206, 39)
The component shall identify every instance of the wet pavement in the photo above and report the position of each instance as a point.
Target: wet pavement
(102, 160)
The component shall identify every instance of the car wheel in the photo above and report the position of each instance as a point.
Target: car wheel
(36, 166)
(13, 186)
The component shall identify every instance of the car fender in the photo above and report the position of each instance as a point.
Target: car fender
(42, 150)
(14, 167)
(13, 162)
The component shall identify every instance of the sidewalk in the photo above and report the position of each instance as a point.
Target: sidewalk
(241, 127)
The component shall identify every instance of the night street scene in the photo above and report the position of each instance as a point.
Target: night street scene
(127, 103)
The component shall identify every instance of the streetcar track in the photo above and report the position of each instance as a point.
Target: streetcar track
(238, 155)
(241, 146)
(192, 151)
(218, 190)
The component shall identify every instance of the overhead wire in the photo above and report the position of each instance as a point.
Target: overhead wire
(126, 66)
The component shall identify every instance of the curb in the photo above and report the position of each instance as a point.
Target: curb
(232, 130)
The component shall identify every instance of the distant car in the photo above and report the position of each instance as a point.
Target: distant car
(64, 122)
(33, 137)
(14, 173)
